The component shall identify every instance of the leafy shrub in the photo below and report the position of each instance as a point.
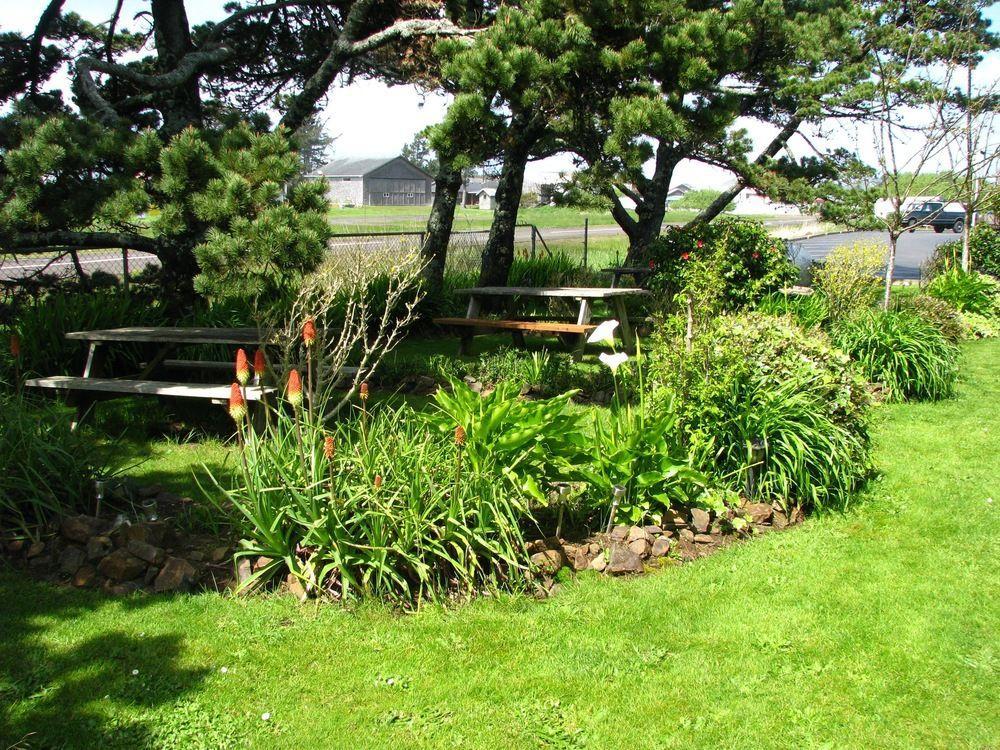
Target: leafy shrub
(45, 469)
(984, 252)
(391, 504)
(966, 292)
(808, 310)
(847, 278)
(757, 379)
(935, 311)
(726, 264)
(905, 354)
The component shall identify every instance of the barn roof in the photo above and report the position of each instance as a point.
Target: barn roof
(359, 167)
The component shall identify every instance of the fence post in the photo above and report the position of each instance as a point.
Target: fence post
(586, 234)
(125, 281)
(532, 241)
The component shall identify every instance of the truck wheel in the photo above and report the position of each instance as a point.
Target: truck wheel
(939, 229)
(959, 226)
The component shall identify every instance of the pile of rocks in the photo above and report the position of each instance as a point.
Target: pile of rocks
(681, 536)
(121, 557)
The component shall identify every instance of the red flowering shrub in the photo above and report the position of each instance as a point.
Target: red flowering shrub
(734, 258)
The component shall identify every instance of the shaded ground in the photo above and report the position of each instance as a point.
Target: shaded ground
(876, 627)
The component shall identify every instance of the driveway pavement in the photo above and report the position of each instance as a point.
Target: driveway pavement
(912, 251)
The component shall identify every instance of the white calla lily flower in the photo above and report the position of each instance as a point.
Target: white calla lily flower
(614, 361)
(604, 333)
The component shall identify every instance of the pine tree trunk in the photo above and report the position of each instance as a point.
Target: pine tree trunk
(652, 209)
(172, 37)
(434, 251)
(498, 255)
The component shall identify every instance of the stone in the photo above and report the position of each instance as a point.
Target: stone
(122, 589)
(661, 547)
(195, 555)
(243, 570)
(703, 538)
(593, 549)
(635, 533)
(778, 519)
(580, 560)
(151, 572)
(624, 562)
(79, 528)
(673, 518)
(652, 530)
(151, 490)
(150, 532)
(639, 547)
(85, 576)
(619, 533)
(293, 585)
(759, 512)
(71, 559)
(686, 535)
(177, 574)
(98, 547)
(599, 563)
(797, 516)
(35, 549)
(218, 554)
(40, 563)
(548, 562)
(536, 545)
(147, 552)
(121, 566)
(261, 562)
(700, 520)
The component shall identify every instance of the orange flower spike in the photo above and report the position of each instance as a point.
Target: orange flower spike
(259, 363)
(363, 391)
(15, 346)
(459, 436)
(309, 332)
(378, 481)
(294, 390)
(237, 404)
(242, 367)
(329, 447)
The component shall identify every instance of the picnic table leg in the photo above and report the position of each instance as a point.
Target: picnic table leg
(628, 337)
(92, 369)
(516, 336)
(156, 361)
(472, 311)
(582, 318)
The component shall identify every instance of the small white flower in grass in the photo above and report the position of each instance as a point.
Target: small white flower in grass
(604, 333)
(224, 670)
(266, 716)
(135, 672)
(614, 361)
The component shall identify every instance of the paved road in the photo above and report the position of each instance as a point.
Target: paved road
(912, 251)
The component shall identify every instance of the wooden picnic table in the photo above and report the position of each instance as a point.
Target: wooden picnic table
(585, 296)
(96, 383)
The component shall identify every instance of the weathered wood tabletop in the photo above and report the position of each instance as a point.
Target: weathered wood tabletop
(572, 292)
(177, 335)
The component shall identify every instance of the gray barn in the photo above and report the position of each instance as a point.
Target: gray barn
(391, 181)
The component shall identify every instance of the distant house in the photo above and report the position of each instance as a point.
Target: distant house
(488, 198)
(391, 181)
(468, 194)
(678, 191)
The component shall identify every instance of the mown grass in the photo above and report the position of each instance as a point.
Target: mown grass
(875, 627)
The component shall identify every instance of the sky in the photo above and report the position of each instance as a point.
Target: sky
(369, 118)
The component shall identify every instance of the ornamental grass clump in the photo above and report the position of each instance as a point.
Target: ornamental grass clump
(902, 353)
(768, 409)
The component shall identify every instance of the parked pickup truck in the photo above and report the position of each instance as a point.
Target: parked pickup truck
(937, 214)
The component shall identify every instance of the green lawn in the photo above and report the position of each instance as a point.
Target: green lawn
(877, 627)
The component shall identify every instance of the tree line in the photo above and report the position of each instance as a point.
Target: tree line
(171, 119)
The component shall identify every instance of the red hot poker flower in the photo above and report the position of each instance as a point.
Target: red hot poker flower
(237, 404)
(459, 435)
(242, 367)
(294, 390)
(329, 447)
(259, 363)
(15, 346)
(363, 391)
(309, 332)
(685, 256)
(378, 481)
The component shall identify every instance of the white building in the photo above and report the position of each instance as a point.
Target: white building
(752, 202)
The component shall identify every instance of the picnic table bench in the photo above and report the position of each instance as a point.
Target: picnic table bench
(638, 273)
(473, 323)
(95, 383)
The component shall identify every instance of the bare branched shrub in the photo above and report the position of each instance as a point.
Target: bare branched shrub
(361, 301)
(848, 277)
